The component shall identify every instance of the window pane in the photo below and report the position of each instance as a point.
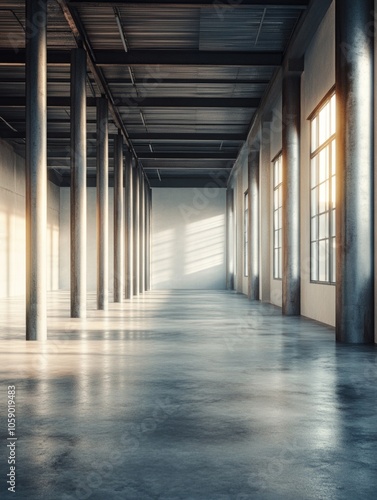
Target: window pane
(333, 191)
(276, 219)
(314, 229)
(323, 226)
(280, 218)
(333, 158)
(280, 169)
(314, 178)
(333, 115)
(324, 124)
(276, 199)
(323, 165)
(314, 134)
(333, 223)
(314, 262)
(314, 201)
(323, 197)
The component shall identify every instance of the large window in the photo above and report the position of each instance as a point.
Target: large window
(246, 234)
(278, 216)
(323, 160)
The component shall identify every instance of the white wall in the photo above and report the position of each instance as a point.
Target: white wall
(91, 234)
(317, 301)
(12, 226)
(188, 238)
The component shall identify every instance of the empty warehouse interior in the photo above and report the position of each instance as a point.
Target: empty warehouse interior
(187, 233)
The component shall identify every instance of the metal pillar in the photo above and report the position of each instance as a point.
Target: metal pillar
(229, 240)
(142, 233)
(355, 192)
(253, 189)
(136, 227)
(78, 183)
(36, 169)
(149, 243)
(291, 195)
(129, 226)
(102, 203)
(118, 219)
(265, 212)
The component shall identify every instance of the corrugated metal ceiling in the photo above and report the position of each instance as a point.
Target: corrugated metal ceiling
(153, 27)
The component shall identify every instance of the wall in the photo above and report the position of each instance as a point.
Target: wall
(91, 234)
(188, 238)
(317, 301)
(12, 226)
(239, 183)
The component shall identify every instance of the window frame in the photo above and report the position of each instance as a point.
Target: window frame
(277, 186)
(246, 233)
(329, 147)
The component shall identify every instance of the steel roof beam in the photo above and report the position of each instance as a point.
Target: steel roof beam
(133, 58)
(299, 4)
(147, 102)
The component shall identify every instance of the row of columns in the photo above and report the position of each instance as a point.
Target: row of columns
(132, 194)
(354, 182)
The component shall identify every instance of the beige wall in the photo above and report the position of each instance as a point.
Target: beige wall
(12, 226)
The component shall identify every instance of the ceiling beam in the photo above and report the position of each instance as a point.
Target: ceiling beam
(186, 58)
(188, 156)
(146, 137)
(299, 4)
(65, 155)
(186, 137)
(155, 57)
(147, 102)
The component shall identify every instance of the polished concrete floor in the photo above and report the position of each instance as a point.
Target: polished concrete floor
(185, 395)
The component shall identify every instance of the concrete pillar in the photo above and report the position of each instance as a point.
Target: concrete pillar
(229, 239)
(78, 183)
(136, 227)
(142, 233)
(291, 194)
(253, 190)
(36, 169)
(102, 203)
(354, 174)
(118, 219)
(129, 226)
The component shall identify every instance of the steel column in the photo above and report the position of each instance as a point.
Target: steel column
(129, 226)
(136, 227)
(229, 240)
(253, 190)
(118, 219)
(78, 183)
(36, 169)
(102, 203)
(265, 212)
(142, 233)
(291, 195)
(355, 179)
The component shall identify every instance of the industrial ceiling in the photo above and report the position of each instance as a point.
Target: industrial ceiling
(183, 78)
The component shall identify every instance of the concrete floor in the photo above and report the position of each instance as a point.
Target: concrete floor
(183, 395)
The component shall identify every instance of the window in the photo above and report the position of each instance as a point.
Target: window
(246, 234)
(278, 216)
(322, 196)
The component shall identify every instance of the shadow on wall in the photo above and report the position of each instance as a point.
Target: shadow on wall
(188, 251)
